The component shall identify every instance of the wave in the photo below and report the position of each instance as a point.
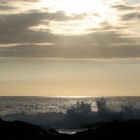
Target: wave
(78, 116)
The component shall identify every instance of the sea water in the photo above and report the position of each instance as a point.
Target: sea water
(61, 112)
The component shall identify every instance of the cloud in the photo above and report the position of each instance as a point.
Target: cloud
(132, 2)
(128, 51)
(15, 27)
(131, 16)
(128, 12)
(123, 7)
(6, 7)
(19, 39)
(103, 43)
(96, 45)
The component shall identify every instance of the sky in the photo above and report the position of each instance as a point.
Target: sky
(70, 28)
(75, 29)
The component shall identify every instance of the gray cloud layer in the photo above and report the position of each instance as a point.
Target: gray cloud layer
(106, 42)
(131, 16)
(15, 27)
(6, 7)
(124, 7)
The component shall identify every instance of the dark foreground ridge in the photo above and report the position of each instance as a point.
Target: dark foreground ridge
(18, 130)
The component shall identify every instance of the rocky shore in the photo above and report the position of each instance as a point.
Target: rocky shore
(19, 130)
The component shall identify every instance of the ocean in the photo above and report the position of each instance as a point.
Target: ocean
(68, 112)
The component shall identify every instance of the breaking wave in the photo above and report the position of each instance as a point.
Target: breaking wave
(78, 116)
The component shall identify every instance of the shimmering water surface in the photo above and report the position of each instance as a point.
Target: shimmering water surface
(61, 112)
(11, 105)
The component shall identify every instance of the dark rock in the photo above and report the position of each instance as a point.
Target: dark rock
(19, 130)
(116, 130)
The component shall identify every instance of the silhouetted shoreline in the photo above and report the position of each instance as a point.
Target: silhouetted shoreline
(19, 130)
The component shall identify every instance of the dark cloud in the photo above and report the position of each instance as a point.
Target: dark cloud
(124, 7)
(103, 38)
(96, 45)
(106, 26)
(14, 28)
(126, 51)
(131, 16)
(6, 7)
(60, 16)
(132, 11)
